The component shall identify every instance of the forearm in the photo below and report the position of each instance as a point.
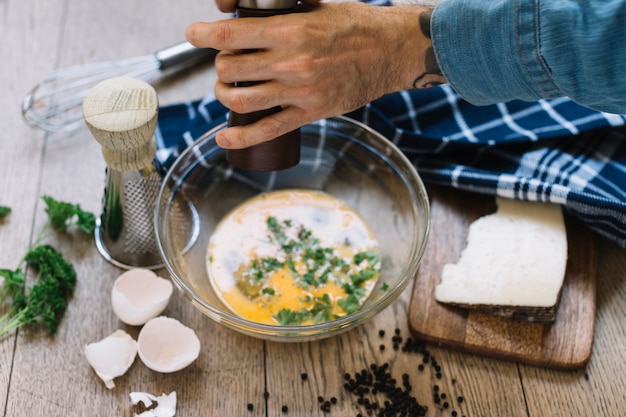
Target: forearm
(430, 75)
(498, 50)
(329, 61)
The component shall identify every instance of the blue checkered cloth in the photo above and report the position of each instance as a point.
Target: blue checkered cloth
(549, 151)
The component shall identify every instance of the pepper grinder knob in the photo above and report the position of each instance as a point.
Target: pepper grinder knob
(122, 114)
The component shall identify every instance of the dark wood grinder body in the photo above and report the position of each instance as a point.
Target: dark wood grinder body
(284, 151)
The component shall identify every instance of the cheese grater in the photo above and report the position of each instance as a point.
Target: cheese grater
(121, 114)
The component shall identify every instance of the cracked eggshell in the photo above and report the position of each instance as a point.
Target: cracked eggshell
(166, 404)
(166, 345)
(112, 356)
(139, 295)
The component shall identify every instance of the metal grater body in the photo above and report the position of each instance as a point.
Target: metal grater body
(125, 234)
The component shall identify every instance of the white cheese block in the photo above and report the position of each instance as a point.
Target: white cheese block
(515, 257)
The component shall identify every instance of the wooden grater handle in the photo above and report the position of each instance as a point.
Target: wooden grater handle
(122, 113)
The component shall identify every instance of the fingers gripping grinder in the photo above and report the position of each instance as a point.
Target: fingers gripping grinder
(284, 151)
(121, 113)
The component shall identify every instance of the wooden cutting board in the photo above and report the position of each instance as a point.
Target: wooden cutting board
(565, 344)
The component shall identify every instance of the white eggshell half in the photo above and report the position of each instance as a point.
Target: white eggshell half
(139, 295)
(166, 345)
(112, 356)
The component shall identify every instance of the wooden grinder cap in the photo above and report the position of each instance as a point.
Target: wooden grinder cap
(122, 113)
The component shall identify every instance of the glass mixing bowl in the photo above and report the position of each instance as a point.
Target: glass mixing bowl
(341, 157)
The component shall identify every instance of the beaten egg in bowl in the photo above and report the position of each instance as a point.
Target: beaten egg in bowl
(293, 257)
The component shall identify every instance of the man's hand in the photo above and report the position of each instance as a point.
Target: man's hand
(322, 63)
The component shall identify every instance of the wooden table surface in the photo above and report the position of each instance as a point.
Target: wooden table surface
(49, 376)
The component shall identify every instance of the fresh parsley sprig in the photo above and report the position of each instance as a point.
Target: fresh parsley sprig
(46, 300)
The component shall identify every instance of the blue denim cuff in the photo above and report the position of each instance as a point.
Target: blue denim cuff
(493, 51)
(488, 50)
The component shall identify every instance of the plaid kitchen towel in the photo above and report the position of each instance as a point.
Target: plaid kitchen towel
(549, 151)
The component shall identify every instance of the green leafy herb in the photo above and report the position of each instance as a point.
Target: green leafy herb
(4, 211)
(384, 287)
(288, 317)
(362, 276)
(351, 289)
(13, 282)
(61, 215)
(321, 311)
(46, 300)
(350, 304)
(312, 265)
(372, 257)
(268, 291)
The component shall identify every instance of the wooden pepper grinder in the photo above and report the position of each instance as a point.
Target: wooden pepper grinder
(121, 114)
(284, 151)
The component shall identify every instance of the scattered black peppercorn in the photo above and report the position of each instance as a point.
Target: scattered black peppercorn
(304, 376)
(250, 407)
(284, 409)
(399, 401)
(376, 380)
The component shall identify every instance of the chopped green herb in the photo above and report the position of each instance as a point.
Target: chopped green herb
(321, 311)
(287, 317)
(384, 287)
(363, 276)
(310, 265)
(271, 264)
(371, 256)
(350, 289)
(350, 304)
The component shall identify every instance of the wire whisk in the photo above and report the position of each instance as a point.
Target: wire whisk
(55, 103)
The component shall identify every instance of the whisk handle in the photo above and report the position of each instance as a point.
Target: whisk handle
(180, 53)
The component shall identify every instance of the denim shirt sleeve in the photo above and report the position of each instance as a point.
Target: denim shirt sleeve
(499, 50)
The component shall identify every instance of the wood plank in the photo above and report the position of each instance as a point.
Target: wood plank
(51, 376)
(22, 148)
(564, 344)
(599, 388)
(478, 380)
